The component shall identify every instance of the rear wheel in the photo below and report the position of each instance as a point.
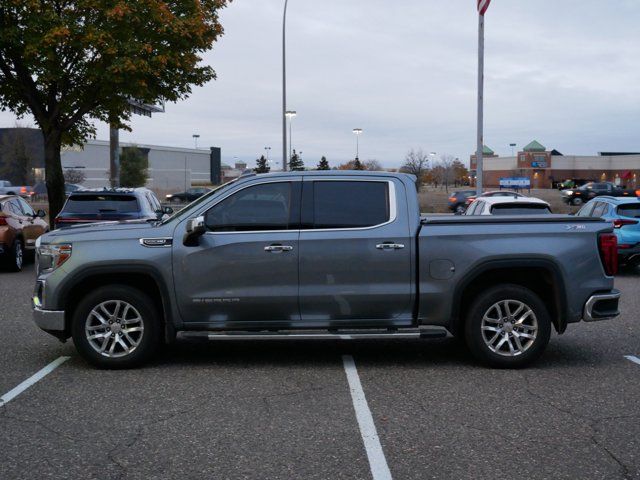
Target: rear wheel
(116, 327)
(15, 256)
(507, 326)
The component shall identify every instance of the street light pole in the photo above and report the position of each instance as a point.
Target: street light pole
(513, 146)
(195, 138)
(284, 87)
(358, 132)
(267, 149)
(290, 114)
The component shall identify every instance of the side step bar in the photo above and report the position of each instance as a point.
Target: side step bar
(427, 332)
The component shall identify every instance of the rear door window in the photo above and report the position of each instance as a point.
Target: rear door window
(599, 209)
(102, 204)
(629, 210)
(350, 204)
(587, 210)
(520, 209)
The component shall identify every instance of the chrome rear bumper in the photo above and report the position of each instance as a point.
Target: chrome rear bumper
(602, 306)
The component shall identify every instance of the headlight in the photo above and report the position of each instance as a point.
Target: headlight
(51, 257)
(569, 193)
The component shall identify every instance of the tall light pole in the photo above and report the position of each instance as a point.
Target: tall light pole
(513, 146)
(289, 114)
(284, 88)
(267, 149)
(195, 139)
(357, 132)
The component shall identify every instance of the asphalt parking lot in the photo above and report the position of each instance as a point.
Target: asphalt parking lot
(284, 410)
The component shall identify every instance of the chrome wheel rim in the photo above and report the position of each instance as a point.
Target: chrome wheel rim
(18, 249)
(509, 328)
(114, 328)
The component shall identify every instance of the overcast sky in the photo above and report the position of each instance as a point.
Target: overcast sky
(566, 73)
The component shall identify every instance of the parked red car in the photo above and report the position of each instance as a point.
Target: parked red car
(20, 227)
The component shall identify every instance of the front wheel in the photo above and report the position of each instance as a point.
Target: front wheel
(116, 327)
(507, 326)
(576, 202)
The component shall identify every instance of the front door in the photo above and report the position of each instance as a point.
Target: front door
(355, 253)
(244, 272)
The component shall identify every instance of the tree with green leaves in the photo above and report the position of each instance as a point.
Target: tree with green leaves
(134, 168)
(68, 62)
(296, 163)
(262, 165)
(323, 164)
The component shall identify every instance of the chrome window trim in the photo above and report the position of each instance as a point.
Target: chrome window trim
(393, 206)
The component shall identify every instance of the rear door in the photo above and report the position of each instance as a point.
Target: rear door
(355, 252)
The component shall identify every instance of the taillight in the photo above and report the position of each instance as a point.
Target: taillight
(3, 221)
(608, 246)
(619, 223)
(453, 199)
(23, 189)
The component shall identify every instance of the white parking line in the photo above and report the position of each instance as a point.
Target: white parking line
(632, 359)
(11, 394)
(377, 461)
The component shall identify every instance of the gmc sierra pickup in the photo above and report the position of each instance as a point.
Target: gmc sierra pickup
(323, 255)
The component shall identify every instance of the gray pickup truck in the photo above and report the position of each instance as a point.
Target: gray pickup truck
(323, 255)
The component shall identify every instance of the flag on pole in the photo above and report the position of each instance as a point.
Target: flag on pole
(483, 6)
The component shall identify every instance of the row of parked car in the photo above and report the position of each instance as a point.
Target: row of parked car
(21, 225)
(622, 211)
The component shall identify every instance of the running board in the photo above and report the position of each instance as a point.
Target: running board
(430, 332)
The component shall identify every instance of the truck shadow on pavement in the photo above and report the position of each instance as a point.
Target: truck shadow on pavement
(446, 352)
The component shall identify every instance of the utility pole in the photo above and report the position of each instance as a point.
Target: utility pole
(284, 87)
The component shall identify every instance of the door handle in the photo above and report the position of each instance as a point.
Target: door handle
(278, 248)
(390, 246)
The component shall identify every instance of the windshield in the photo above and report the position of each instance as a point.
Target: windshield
(200, 200)
(586, 186)
(630, 210)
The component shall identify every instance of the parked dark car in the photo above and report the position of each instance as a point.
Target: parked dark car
(116, 204)
(20, 227)
(578, 196)
(189, 196)
(458, 200)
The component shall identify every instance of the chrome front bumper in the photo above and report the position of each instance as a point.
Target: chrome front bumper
(602, 306)
(50, 320)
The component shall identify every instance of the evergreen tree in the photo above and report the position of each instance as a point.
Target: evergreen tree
(324, 164)
(296, 164)
(357, 164)
(262, 166)
(133, 168)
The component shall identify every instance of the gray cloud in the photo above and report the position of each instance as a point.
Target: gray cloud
(565, 73)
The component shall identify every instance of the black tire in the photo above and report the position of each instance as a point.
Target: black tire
(15, 256)
(485, 304)
(576, 202)
(143, 306)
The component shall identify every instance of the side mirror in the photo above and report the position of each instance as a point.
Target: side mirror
(167, 210)
(41, 214)
(195, 228)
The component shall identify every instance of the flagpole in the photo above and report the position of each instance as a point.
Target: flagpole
(480, 144)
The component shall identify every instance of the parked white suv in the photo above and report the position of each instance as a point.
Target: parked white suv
(515, 205)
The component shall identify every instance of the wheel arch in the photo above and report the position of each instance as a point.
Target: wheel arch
(540, 275)
(142, 277)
